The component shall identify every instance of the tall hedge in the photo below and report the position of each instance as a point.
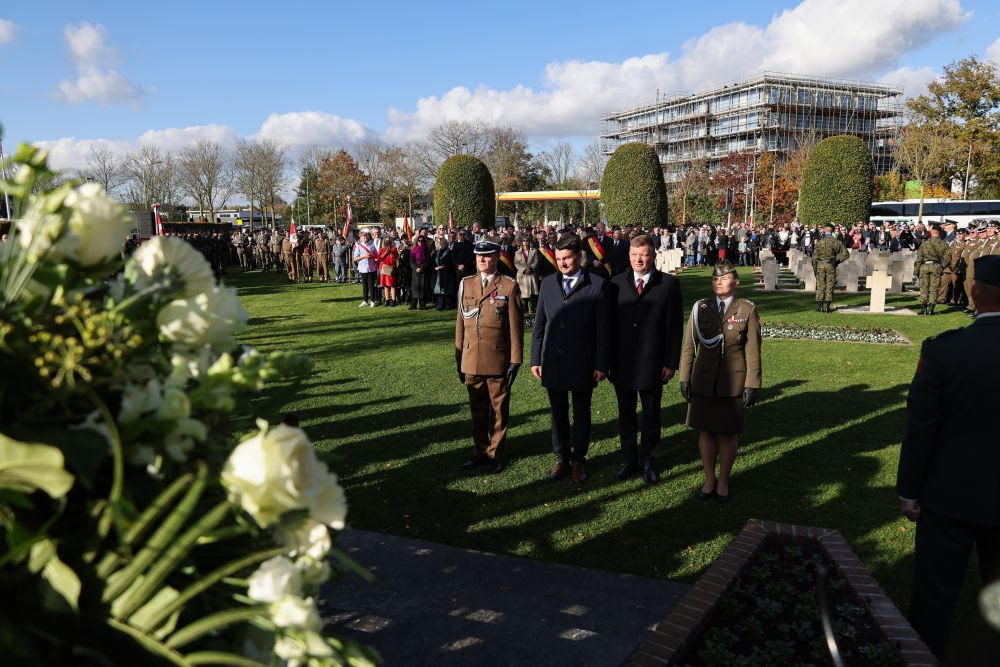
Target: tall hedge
(837, 182)
(464, 184)
(632, 189)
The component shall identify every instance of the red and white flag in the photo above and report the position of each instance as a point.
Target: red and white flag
(451, 220)
(156, 217)
(293, 235)
(348, 223)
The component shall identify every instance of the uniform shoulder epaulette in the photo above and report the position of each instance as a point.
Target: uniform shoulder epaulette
(507, 278)
(945, 334)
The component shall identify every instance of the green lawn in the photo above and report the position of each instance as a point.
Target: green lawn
(385, 408)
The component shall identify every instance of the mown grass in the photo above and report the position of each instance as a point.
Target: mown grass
(386, 410)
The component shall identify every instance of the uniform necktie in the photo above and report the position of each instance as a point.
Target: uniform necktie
(486, 281)
(722, 310)
(567, 285)
(638, 285)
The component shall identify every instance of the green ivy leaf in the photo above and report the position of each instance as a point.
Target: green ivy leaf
(31, 466)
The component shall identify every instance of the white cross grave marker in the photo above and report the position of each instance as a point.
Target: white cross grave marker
(877, 282)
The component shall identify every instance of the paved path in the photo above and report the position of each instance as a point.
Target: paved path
(440, 605)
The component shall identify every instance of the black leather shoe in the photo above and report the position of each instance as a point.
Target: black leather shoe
(723, 498)
(473, 463)
(650, 475)
(496, 466)
(706, 495)
(625, 472)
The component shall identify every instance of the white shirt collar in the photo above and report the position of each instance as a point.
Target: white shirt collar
(644, 278)
(728, 301)
(574, 277)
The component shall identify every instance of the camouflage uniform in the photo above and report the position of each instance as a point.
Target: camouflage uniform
(827, 253)
(932, 256)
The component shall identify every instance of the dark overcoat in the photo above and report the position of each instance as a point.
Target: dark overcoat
(949, 461)
(572, 334)
(647, 331)
(420, 285)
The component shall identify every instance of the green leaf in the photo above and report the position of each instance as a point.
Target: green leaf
(220, 658)
(30, 466)
(150, 644)
(164, 599)
(60, 576)
(214, 622)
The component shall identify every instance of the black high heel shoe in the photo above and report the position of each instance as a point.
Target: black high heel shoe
(706, 495)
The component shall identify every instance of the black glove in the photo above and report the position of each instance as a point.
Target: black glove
(686, 391)
(512, 374)
(749, 397)
(461, 377)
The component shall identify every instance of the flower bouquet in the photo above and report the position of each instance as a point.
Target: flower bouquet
(133, 531)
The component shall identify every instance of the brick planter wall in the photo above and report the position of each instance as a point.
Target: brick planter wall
(665, 643)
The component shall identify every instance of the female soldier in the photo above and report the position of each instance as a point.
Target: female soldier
(720, 375)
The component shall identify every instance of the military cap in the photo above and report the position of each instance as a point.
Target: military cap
(486, 247)
(950, 222)
(828, 225)
(723, 268)
(988, 270)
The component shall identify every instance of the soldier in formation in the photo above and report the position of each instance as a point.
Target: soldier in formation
(983, 243)
(827, 254)
(933, 256)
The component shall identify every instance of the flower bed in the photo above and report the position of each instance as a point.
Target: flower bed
(785, 331)
(757, 604)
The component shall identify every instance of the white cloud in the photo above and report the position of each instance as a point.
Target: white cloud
(173, 139)
(7, 30)
(71, 153)
(300, 130)
(913, 81)
(97, 80)
(993, 52)
(838, 38)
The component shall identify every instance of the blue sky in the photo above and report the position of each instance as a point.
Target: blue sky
(329, 74)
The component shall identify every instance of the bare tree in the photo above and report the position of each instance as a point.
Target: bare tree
(205, 174)
(106, 168)
(559, 161)
(373, 159)
(590, 168)
(455, 137)
(274, 162)
(151, 178)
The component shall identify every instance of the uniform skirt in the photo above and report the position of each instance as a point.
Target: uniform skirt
(716, 414)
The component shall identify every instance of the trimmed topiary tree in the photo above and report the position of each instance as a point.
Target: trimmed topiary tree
(464, 184)
(837, 182)
(632, 188)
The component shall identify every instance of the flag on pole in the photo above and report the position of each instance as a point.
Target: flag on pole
(406, 226)
(293, 235)
(451, 220)
(156, 217)
(348, 223)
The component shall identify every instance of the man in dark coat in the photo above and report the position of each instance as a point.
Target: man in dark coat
(570, 351)
(646, 352)
(948, 462)
(462, 253)
(618, 251)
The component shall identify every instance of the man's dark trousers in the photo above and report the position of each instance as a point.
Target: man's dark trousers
(566, 447)
(650, 400)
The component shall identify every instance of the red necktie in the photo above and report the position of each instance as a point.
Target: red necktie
(638, 285)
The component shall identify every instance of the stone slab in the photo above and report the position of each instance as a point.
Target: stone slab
(434, 604)
(889, 310)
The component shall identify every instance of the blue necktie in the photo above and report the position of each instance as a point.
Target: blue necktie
(567, 285)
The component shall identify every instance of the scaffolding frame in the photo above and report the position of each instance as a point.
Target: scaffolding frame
(769, 112)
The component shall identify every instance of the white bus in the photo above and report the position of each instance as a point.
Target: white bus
(936, 211)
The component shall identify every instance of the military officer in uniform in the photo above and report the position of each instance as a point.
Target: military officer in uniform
(720, 375)
(971, 252)
(948, 461)
(932, 256)
(488, 352)
(827, 253)
(951, 287)
(322, 253)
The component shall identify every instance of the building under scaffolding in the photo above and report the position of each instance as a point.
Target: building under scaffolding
(769, 112)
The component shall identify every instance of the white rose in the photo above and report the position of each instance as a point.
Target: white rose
(207, 319)
(276, 471)
(167, 254)
(138, 400)
(330, 506)
(97, 226)
(183, 436)
(309, 538)
(175, 404)
(295, 612)
(274, 579)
